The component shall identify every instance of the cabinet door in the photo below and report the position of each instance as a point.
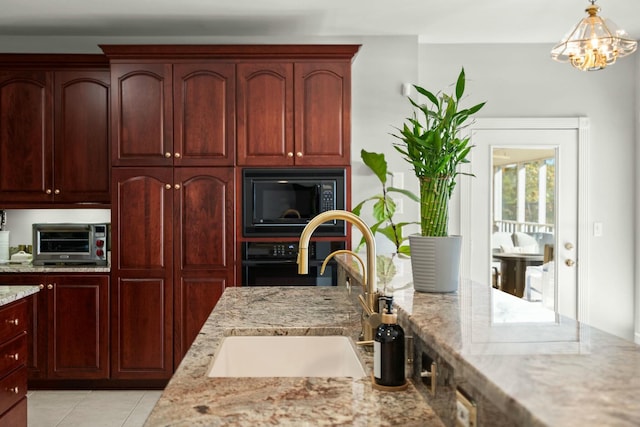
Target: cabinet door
(142, 120)
(323, 118)
(78, 327)
(204, 250)
(82, 156)
(141, 271)
(36, 324)
(265, 114)
(26, 156)
(204, 114)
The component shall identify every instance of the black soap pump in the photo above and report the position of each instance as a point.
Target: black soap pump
(388, 350)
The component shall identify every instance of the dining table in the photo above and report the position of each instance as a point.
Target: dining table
(513, 270)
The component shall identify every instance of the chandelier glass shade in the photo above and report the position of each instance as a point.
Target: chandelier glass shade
(594, 43)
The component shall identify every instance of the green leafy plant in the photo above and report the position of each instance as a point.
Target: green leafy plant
(432, 144)
(384, 207)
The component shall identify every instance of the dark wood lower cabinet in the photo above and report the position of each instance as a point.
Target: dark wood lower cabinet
(195, 298)
(67, 327)
(13, 370)
(143, 329)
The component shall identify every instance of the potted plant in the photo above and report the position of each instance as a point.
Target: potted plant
(383, 212)
(432, 143)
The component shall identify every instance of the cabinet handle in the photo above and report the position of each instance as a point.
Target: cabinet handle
(48, 191)
(176, 155)
(56, 191)
(14, 390)
(289, 154)
(299, 154)
(167, 155)
(41, 286)
(14, 322)
(177, 186)
(14, 356)
(167, 186)
(49, 286)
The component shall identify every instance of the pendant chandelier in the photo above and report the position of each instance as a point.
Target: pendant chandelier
(594, 43)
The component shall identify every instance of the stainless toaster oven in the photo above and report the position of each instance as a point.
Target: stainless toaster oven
(63, 244)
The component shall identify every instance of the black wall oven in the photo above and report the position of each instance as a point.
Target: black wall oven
(280, 202)
(274, 264)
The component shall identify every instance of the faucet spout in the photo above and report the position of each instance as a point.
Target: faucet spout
(369, 276)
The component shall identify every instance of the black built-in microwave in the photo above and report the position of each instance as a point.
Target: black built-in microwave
(280, 202)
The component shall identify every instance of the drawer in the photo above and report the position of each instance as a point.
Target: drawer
(13, 388)
(13, 354)
(13, 319)
(16, 416)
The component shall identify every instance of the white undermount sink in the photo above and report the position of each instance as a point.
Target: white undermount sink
(286, 356)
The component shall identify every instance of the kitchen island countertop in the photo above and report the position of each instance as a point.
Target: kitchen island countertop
(191, 398)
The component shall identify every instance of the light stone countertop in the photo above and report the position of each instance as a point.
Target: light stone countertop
(9, 294)
(11, 267)
(540, 368)
(191, 398)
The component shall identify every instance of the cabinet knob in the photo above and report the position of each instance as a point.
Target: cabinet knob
(176, 155)
(14, 322)
(56, 191)
(14, 390)
(48, 191)
(167, 155)
(177, 186)
(570, 263)
(289, 154)
(299, 154)
(14, 356)
(167, 186)
(41, 286)
(49, 286)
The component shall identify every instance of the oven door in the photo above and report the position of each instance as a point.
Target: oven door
(285, 273)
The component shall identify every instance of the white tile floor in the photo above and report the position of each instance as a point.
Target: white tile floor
(86, 408)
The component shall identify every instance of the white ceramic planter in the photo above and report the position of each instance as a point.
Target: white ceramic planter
(435, 263)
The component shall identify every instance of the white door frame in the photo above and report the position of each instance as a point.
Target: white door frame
(581, 124)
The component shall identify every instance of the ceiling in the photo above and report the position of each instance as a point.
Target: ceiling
(434, 21)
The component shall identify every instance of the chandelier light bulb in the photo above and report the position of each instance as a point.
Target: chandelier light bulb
(594, 43)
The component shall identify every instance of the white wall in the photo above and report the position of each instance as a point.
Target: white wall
(517, 81)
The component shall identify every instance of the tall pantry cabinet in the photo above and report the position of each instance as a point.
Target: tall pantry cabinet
(185, 119)
(173, 206)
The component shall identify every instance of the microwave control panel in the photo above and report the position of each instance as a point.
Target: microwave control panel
(328, 197)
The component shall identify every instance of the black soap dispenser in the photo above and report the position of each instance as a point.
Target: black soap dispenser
(388, 350)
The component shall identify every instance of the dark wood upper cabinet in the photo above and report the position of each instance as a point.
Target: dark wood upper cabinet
(81, 157)
(173, 115)
(54, 130)
(294, 113)
(204, 114)
(265, 114)
(142, 120)
(26, 138)
(323, 113)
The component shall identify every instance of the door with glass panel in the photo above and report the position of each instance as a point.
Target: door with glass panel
(520, 213)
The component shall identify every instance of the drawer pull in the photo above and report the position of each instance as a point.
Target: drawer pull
(14, 390)
(14, 356)
(14, 322)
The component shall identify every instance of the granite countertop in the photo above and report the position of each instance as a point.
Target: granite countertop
(9, 294)
(539, 367)
(12, 267)
(191, 398)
